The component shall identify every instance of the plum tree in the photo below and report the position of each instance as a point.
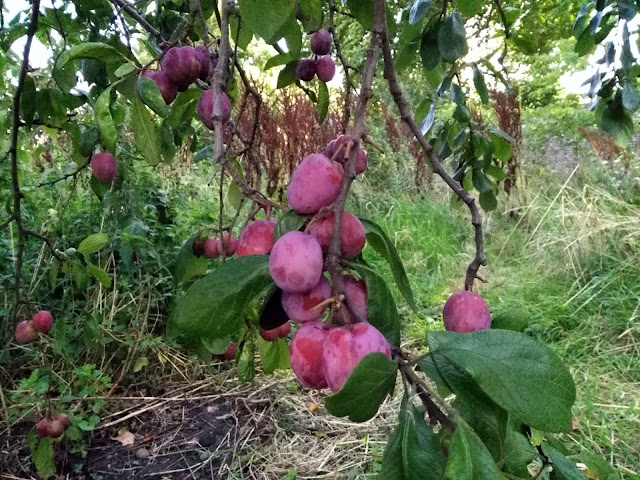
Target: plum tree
(256, 238)
(167, 88)
(207, 63)
(356, 290)
(305, 354)
(25, 333)
(344, 347)
(205, 108)
(182, 65)
(315, 184)
(325, 69)
(306, 69)
(211, 248)
(295, 263)
(465, 312)
(42, 321)
(354, 235)
(300, 307)
(104, 167)
(321, 42)
(275, 333)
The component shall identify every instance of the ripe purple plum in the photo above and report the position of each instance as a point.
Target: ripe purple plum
(354, 236)
(42, 321)
(167, 88)
(344, 347)
(315, 184)
(25, 333)
(325, 69)
(42, 427)
(300, 306)
(211, 248)
(207, 64)
(306, 354)
(256, 238)
(230, 352)
(466, 312)
(340, 153)
(63, 418)
(104, 167)
(295, 262)
(321, 42)
(306, 69)
(205, 108)
(275, 333)
(356, 290)
(56, 428)
(229, 244)
(330, 149)
(182, 66)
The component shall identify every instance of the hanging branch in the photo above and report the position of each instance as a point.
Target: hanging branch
(407, 116)
(140, 19)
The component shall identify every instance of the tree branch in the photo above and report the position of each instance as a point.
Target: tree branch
(140, 19)
(219, 81)
(59, 255)
(407, 116)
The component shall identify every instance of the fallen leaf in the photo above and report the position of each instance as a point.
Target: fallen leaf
(125, 437)
(314, 406)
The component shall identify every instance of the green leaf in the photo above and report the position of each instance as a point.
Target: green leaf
(481, 86)
(598, 465)
(312, 14)
(44, 459)
(99, 274)
(241, 34)
(234, 196)
(502, 149)
(413, 451)
(516, 320)
(106, 125)
(274, 355)
(140, 363)
(481, 182)
(488, 201)
(125, 69)
(246, 367)
(429, 52)
(150, 94)
(469, 459)
(630, 96)
(293, 36)
(145, 132)
(291, 221)
(381, 307)
(365, 389)
(362, 10)
(496, 172)
(617, 122)
(287, 75)
(187, 264)
(63, 72)
(28, 101)
(267, 22)
(521, 375)
(200, 314)
(469, 8)
(418, 9)
(93, 243)
(518, 452)
(405, 56)
(563, 468)
(323, 102)
(381, 243)
(277, 60)
(452, 38)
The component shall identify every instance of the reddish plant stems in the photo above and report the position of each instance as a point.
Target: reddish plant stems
(334, 265)
(407, 116)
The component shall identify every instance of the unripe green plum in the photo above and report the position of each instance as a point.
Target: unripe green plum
(296, 262)
(182, 66)
(354, 236)
(306, 69)
(256, 238)
(25, 333)
(315, 184)
(321, 42)
(42, 321)
(205, 108)
(325, 69)
(305, 354)
(344, 347)
(300, 306)
(466, 312)
(104, 167)
(211, 248)
(275, 333)
(167, 89)
(356, 290)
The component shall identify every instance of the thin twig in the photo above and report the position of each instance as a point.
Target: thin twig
(64, 177)
(59, 255)
(140, 19)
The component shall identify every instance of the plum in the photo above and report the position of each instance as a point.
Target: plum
(295, 262)
(167, 88)
(330, 149)
(325, 69)
(466, 312)
(340, 153)
(42, 427)
(205, 108)
(306, 69)
(229, 244)
(256, 238)
(211, 248)
(275, 333)
(56, 428)
(354, 236)
(182, 66)
(230, 352)
(42, 321)
(207, 64)
(63, 418)
(321, 42)
(315, 184)
(344, 347)
(300, 306)
(104, 167)
(305, 354)
(356, 290)
(25, 333)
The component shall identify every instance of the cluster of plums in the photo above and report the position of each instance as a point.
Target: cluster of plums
(27, 331)
(322, 65)
(52, 427)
